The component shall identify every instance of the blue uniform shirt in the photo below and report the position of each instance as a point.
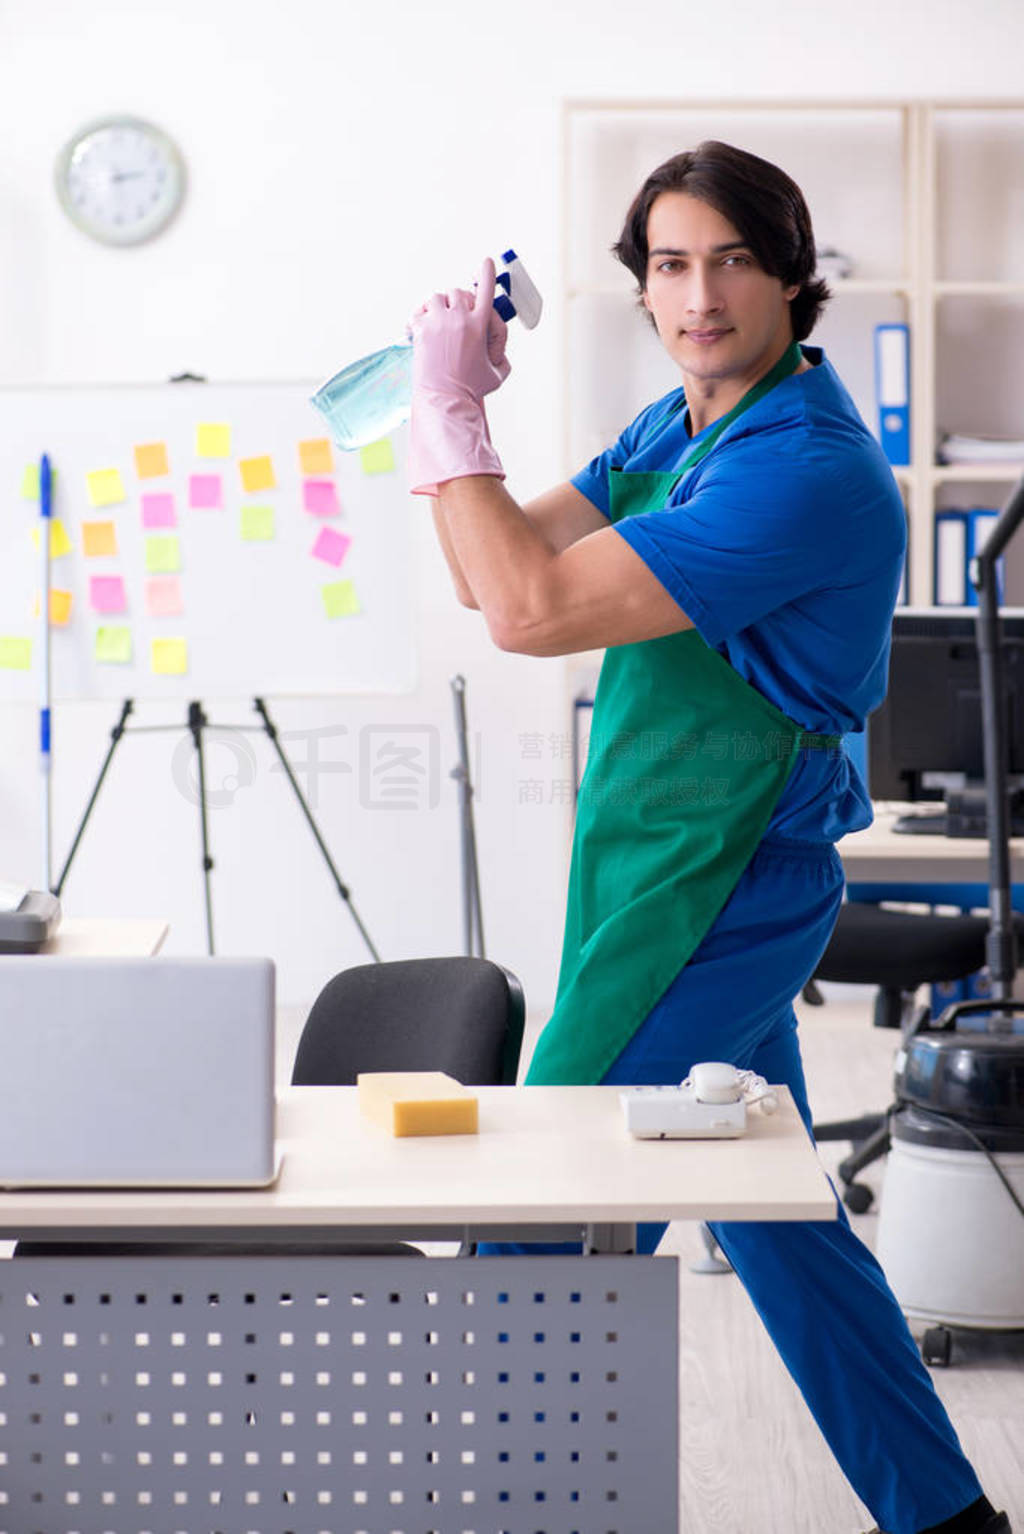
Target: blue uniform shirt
(785, 547)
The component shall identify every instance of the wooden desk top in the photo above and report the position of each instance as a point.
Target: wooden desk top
(880, 853)
(543, 1155)
(82, 937)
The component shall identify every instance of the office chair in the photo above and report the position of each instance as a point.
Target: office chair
(897, 951)
(461, 1015)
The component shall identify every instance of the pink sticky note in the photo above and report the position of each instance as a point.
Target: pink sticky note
(158, 509)
(163, 596)
(204, 491)
(320, 497)
(106, 594)
(331, 546)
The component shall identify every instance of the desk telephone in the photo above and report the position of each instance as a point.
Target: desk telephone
(711, 1104)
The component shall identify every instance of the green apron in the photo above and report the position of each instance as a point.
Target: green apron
(667, 819)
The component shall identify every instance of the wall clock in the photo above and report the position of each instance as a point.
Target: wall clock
(120, 180)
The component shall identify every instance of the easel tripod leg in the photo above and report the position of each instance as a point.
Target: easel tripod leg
(197, 721)
(115, 737)
(271, 732)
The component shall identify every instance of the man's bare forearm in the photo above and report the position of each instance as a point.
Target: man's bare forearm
(502, 557)
(459, 581)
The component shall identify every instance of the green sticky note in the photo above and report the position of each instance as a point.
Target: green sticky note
(257, 523)
(378, 457)
(30, 481)
(163, 555)
(340, 600)
(113, 645)
(15, 654)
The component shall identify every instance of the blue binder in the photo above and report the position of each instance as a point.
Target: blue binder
(950, 559)
(892, 391)
(980, 522)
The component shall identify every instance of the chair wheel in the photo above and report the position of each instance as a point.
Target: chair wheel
(937, 1347)
(858, 1197)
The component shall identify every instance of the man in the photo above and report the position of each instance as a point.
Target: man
(738, 552)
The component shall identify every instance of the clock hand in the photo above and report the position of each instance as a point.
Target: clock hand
(126, 175)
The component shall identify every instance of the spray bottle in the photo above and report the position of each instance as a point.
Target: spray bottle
(369, 398)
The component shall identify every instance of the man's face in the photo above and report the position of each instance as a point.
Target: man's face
(719, 314)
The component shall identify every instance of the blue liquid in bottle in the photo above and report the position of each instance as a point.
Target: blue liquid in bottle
(369, 398)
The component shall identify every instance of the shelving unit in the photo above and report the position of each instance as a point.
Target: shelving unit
(925, 197)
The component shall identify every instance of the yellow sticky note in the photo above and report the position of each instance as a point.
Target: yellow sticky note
(151, 460)
(163, 555)
(60, 543)
(98, 538)
(15, 654)
(257, 523)
(378, 457)
(60, 607)
(213, 439)
(340, 600)
(257, 473)
(106, 487)
(169, 657)
(315, 456)
(113, 645)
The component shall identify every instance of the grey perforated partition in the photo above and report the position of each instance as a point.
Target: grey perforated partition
(354, 1395)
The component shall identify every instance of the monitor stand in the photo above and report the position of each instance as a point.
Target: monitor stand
(932, 823)
(963, 815)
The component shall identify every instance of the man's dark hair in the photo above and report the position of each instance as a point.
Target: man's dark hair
(761, 202)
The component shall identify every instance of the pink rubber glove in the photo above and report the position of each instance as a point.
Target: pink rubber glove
(458, 357)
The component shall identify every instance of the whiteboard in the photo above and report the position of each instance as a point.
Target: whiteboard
(280, 590)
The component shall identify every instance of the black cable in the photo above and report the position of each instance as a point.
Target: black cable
(944, 1118)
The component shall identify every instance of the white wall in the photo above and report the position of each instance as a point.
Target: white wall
(344, 159)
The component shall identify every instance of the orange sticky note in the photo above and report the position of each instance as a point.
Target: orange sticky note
(315, 456)
(60, 608)
(151, 460)
(98, 538)
(257, 473)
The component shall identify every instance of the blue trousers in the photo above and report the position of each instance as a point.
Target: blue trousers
(820, 1293)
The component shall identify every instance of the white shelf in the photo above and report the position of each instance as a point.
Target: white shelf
(840, 285)
(995, 473)
(978, 289)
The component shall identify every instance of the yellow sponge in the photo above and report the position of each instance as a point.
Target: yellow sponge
(417, 1102)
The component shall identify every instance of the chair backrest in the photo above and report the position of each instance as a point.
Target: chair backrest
(462, 1015)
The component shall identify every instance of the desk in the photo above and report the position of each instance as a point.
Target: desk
(366, 1395)
(82, 937)
(882, 855)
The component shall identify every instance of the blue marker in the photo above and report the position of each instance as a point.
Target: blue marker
(45, 753)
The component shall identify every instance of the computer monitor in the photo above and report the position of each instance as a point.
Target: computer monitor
(926, 740)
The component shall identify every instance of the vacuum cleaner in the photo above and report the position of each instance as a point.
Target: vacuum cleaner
(951, 1223)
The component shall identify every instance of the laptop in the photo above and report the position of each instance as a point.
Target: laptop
(136, 1073)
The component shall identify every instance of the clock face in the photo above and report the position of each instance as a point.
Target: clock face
(120, 180)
